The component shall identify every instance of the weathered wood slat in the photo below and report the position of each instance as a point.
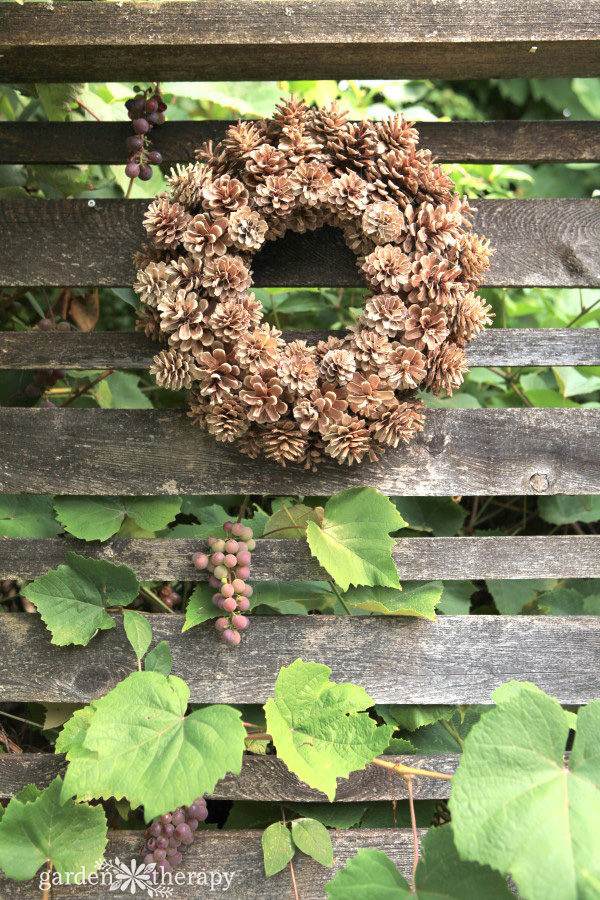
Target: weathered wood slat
(238, 853)
(68, 242)
(266, 39)
(131, 350)
(263, 778)
(474, 142)
(460, 451)
(457, 659)
(420, 559)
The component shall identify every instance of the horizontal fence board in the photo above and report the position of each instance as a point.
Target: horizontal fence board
(541, 243)
(263, 778)
(460, 451)
(420, 559)
(132, 350)
(238, 853)
(456, 659)
(267, 39)
(72, 143)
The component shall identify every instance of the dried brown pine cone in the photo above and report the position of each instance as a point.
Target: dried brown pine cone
(385, 313)
(205, 237)
(284, 442)
(166, 222)
(446, 368)
(370, 348)
(247, 229)
(260, 349)
(401, 422)
(348, 195)
(347, 441)
(262, 162)
(229, 320)
(186, 183)
(225, 277)
(404, 368)
(276, 195)
(387, 269)
(174, 370)
(227, 420)
(297, 368)
(426, 327)
(311, 182)
(218, 375)
(182, 318)
(368, 394)
(262, 395)
(184, 274)
(152, 283)
(324, 407)
(338, 366)
(242, 139)
(224, 195)
(383, 223)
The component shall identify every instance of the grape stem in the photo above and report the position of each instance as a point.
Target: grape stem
(243, 507)
(340, 598)
(413, 822)
(294, 885)
(129, 188)
(283, 528)
(87, 387)
(263, 736)
(409, 770)
(88, 110)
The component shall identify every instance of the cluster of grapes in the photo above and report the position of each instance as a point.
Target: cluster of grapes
(168, 596)
(145, 110)
(170, 834)
(44, 379)
(229, 568)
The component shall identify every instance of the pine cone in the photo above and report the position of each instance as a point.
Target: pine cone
(321, 409)
(226, 277)
(152, 283)
(338, 366)
(332, 343)
(383, 223)
(396, 134)
(230, 320)
(224, 195)
(215, 156)
(367, 394)
(148, 321)
(348, 196)
(184, 274)
(311, 183)
(186, 183)
(352, 147)
(291, 113)
(166, 222)
(387, 268)
(260, 349)
(205, 238)
(247, 229)
(218, 375)
(385, 313)
(326, 121)
(404, 368)
(298, 146)
(262, 162)
(227, 420)
(297, 368)
(276, 196)
(437, 228)
(400, 422)
(472, 316)
(284, 442)
(251, 445)
(446, 368)
(347, 441)
(370, 348)
(473, 257)
(262, 394)
(254, 309)
(182, 319)
(242, 139)
(432, 279)
(425, 327)
(174, 370)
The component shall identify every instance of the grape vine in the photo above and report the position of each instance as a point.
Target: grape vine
(145, 110)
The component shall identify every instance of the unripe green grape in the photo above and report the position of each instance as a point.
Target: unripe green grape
(247, 533)
(219, 545)
(220, 572)
(251, 545)
(238, 585)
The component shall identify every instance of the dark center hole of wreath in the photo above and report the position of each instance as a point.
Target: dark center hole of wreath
(316, 259)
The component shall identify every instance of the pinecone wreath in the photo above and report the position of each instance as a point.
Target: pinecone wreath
(350, 397)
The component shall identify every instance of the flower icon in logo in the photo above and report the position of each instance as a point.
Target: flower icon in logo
(130, 878)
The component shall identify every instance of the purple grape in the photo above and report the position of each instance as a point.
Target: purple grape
(142, 126)
(177, 818)
(231, 637)
(176, 859)
(162, 843)
(155, 829)
(155, 157)
(148, 859)
(159, 855)
(183, 831)
(214, 582)
(151, 843)
(44, 324)
(227, 527)
(161, 118)
(48, 404)
(134, 143)
(169, 829)
(151, 105)
(145, 173)
(152, 118)
(248, 590)
(163, 866)
(166, 818)
(193, 823)
(32, 391)
(132, 170)
(137, 105)
(237, 529)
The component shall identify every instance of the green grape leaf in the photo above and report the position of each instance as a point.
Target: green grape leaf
(409, 717)
(138, 630)
(71, 599)
(318, 726)
(278, 848)
(419, 601)
(290, 521)
(90, 518)
(439, 516)
(57, 99)
(371, 875)
(292, 597)
(124, 392)
(152, 513)
(25, 516)
(561, 510)
(56, 714)
(333, 815)
(312, 838)
(159, 659)
(33, 830)
(514, 803)
(139, 744)
(200, 607)
(353, 542)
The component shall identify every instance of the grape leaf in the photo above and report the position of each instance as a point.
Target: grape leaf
(514, 803)
(353, 542)
(138, 630)
(561, 510)
(25, 516)
(439, 516)
(32, 830)
(318, 726)
(290, 521)
(139, 744)
(333, 815)
(200, 607)
(159, 659)
(152, 513)
(292, 597)
(419, 601)
(371, 875)
(312, 838)
(71, 599)
(57, 99)
(410, 717)
(278, 848)
(90, 518)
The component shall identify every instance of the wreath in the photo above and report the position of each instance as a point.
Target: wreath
(353, 395)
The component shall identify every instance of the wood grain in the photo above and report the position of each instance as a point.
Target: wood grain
(238, 853)
(457, 659)
(460, 451)
(263, 778)
(68, 242)
(132, 350)
(418, 559)
(271, 39)
(73, 143)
